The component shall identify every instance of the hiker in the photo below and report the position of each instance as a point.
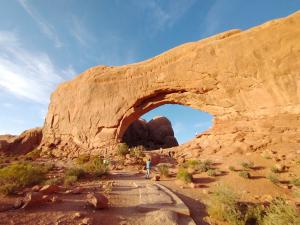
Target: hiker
(148, 166)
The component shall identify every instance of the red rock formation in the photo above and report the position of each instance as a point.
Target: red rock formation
(22, 144)
(157, 133)
(249, 81)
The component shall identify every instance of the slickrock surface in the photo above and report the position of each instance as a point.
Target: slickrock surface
(248, 80)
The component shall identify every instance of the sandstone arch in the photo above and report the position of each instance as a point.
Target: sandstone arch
(249, 81)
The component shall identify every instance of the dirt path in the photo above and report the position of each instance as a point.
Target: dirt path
(124, 198)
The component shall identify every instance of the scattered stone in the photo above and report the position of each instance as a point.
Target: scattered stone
(49, 189)
(205, 191)
(193, 185)
(78, 215)
(86, 221)
(36, 188)
(76, 190)
(98, 201)
(56, 199)
(18, 203)
(156, 178)
(33, 199)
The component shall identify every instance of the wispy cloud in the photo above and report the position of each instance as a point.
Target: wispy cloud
(24, 73)
(44, 26)
(159, 17)
(81, 33)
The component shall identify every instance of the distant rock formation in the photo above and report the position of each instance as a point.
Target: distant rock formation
(22, 144)
(248, 80)
(157, 133)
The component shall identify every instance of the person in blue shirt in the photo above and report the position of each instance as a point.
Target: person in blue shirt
(148, 167)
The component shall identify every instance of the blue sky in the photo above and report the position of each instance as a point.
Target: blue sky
(43, 43)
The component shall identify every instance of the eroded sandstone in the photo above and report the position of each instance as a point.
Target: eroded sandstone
(248, 80)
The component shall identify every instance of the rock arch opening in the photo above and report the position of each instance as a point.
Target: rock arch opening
(166, 126)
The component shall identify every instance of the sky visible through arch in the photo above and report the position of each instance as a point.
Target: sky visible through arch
(44, 43)
(186, 121)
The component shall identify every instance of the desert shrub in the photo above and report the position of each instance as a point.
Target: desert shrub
(163, 170)
(81, 159)
(184, 175)
(20, 175)
(247, 165)
(224, 206)
(75, 171)
(95, 167)
(244, 174)
(54, 181)
(34, 154)
(137, 152)
(122, 149)
(70, 180)
(254, 214)
(281, 213)
(231, 168)
(212, 172)
(274, 169)
(198, 165)
(273, 178)
(296, 182)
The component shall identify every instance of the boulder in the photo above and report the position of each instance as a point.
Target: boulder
(96, 200)
(155, 134)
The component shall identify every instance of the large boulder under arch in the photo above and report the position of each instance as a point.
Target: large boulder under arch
(248, 80)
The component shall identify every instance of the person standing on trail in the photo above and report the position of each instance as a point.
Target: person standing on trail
(148, 166)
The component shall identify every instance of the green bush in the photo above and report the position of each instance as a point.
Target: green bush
(70, 180)
(247, 165)
(244, 174)
(254, 214)
(273, 178)
(95, 167)
(20, 175)
(34, 154)
(184, 176)
(212, 172)
(296, 182)
(54, 181)
(164, 170)
(281, 213)
(224, 206)
(81, 159)
(231, 168)
(274, 169)
(201, 166)
(137, 152)
(75, 171)
(122, 149)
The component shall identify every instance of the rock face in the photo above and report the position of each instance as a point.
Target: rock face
(22, 144)
(248, 80)
(157, 133)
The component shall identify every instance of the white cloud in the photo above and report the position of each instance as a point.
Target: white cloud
(24, 73)
(44, 26)
(163, 17)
